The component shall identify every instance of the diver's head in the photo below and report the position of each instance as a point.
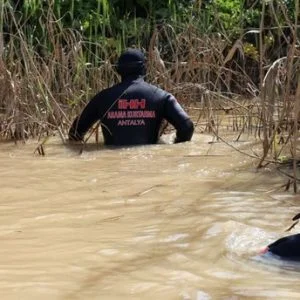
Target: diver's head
(131, 63)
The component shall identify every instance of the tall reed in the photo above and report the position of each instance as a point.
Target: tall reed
(50, 67)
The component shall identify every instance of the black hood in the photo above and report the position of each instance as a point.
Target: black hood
(131, 63)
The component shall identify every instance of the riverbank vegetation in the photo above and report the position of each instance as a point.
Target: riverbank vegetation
(225, 59)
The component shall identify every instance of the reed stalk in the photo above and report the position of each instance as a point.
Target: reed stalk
(297, 99)
(264, 116)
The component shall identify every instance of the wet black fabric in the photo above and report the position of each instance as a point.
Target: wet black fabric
(287, 247)
(131, 113)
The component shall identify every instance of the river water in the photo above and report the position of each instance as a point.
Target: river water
(181, 221)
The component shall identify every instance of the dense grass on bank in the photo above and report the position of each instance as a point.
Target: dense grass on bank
(50, 67)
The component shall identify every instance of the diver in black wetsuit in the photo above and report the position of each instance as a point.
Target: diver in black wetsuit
(131, 112)
(287, 248)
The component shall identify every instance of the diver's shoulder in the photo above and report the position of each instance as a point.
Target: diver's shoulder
(155, 88)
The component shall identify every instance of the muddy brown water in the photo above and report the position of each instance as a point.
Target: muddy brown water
(153, 222)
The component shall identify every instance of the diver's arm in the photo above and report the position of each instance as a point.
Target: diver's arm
(84, 121)
(175, 114)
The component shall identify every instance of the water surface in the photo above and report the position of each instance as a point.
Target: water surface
(165, 221)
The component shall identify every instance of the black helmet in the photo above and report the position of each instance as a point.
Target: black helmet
(131, 62)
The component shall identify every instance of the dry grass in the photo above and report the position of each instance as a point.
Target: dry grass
(43, 88)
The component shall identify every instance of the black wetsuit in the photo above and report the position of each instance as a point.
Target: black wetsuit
(287, 247)
(131, 113)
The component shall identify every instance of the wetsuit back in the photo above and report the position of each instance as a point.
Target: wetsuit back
(131, 113)
(287, 247)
